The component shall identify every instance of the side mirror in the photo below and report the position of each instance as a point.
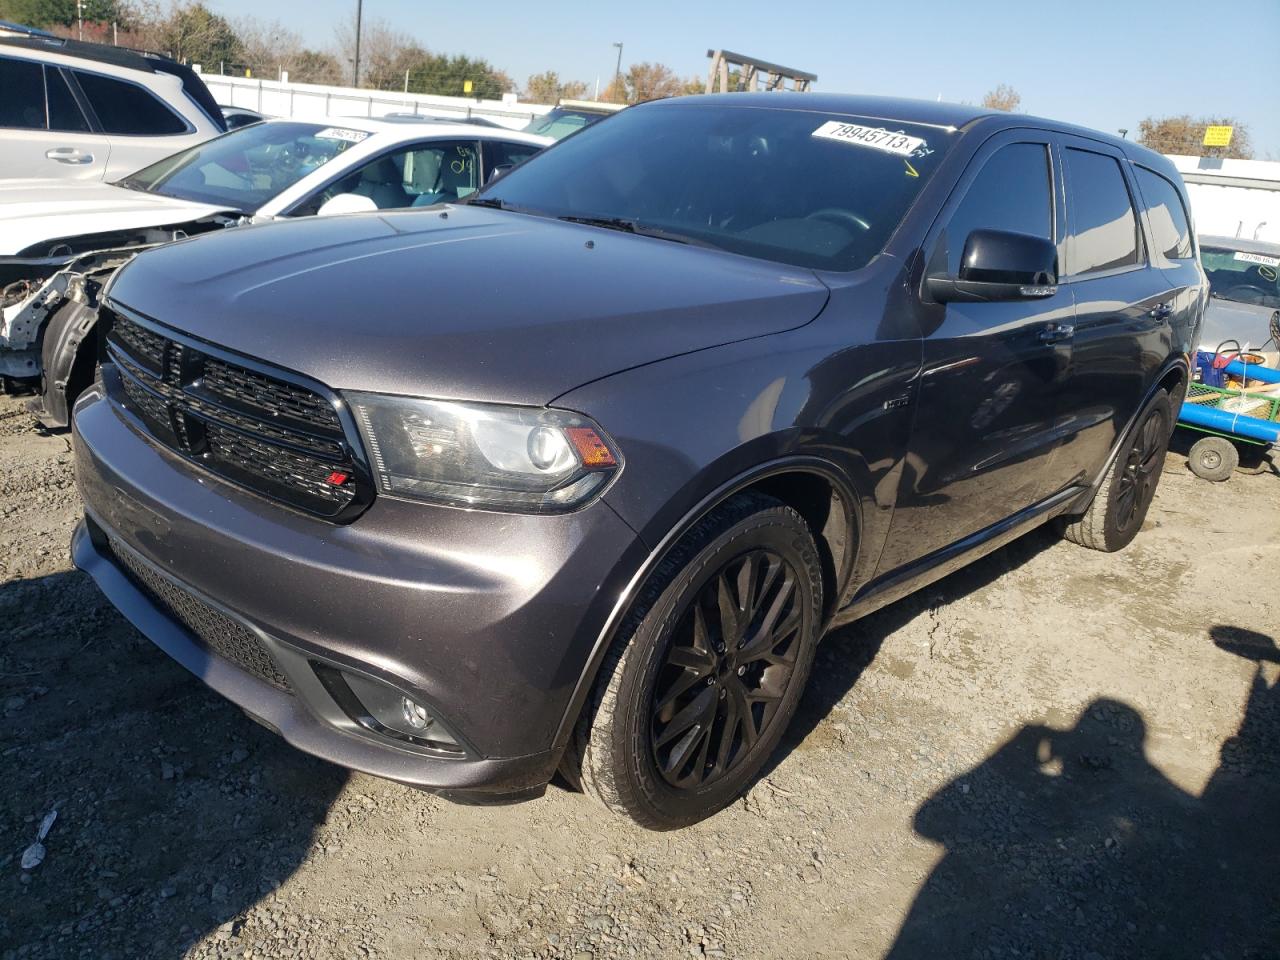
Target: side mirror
(499, 171)
(347, 203)
(998, 265)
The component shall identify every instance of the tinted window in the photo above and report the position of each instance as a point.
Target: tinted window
(21, 94)
(64, 112)
(1169, 226)
(247, 167)
(1012, 192)
(498, 153)
(793, 186)
(559, 123)
(124, 108)
(1104, 233)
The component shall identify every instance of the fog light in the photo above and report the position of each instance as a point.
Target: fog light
(415, 714)
(385, 710)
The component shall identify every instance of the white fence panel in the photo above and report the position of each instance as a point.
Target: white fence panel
(314, 101)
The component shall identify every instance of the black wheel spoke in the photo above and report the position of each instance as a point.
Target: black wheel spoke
(698, 711)
(746, 718)
(728, 664)
(730, 615)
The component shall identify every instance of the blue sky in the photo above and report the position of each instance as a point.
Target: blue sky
(1102, 64)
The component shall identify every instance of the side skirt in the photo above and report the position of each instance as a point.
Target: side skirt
(907, 579)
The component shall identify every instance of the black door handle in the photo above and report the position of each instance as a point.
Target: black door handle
(1057, 332)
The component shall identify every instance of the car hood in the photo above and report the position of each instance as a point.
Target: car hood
(1228, 320)
(464, 304)
(34, 211)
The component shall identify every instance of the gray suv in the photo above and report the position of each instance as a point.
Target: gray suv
(576, 474)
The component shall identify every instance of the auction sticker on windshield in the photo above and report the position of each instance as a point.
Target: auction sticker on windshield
(877, 138)
(342, 133)
(1258, 258)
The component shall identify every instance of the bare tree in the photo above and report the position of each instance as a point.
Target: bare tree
(646, 81)
(1003, 97)
(385, 53)
(547, 87)
(268, 47)
(1185, 135)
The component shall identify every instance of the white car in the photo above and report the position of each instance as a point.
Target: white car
(86, 111)
(60, 242)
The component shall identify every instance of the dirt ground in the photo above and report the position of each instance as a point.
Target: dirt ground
(1055, 753)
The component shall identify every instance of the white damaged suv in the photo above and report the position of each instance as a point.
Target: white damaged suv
(87, 111)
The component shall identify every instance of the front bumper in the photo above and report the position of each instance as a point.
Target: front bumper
(487, 618)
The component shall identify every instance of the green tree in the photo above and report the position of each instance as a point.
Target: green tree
(1185, 135)
(53, 13)
(446, 75)
(315, 66)
(195, 34)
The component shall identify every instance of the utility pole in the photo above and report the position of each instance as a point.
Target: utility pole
(80, 18)
(617, 74)
(355, 73)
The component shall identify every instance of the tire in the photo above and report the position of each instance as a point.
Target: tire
(694, 696)
(1118, 509)
(1213, 458)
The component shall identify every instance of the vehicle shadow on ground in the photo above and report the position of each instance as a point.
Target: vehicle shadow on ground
(845, 653)
(175, 813)
(1069, 843)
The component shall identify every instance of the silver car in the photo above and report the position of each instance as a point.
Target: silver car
(1244, 301)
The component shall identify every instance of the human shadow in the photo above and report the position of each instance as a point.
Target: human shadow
(845, 653)
(1071, 844)
(176, 813)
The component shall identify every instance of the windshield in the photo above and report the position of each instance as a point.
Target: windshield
(793, 186)
(244, 169)
(559, 123)
(1241, 276)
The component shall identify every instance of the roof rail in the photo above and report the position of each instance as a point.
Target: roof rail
(8, 29)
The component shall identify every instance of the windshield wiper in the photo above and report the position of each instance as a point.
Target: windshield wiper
(640, 229)
(493, 202)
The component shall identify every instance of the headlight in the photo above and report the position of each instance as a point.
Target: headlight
(483, 455)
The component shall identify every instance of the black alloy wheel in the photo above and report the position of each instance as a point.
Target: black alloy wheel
(730, 660)
(1136, 483)
(707, 670)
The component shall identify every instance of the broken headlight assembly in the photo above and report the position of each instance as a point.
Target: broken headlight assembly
(487, 456)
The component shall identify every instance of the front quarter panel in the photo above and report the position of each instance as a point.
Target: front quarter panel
(832, 397)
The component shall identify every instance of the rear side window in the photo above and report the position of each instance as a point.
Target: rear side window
(504, 154)
(64, 113)
(127, 109)
(1104, 232)
(21, 94)
(1169, 227)
(1012, 193)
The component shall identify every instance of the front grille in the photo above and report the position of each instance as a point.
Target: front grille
(262, 431)
(218, 633)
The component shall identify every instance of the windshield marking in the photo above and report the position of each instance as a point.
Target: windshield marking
(877, 138)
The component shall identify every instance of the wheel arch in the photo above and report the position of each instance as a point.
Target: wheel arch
(816, 489)
(1174, 378)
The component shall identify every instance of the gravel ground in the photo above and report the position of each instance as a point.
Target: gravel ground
(1054, 753)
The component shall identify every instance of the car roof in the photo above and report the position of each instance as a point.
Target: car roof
(405, 127)
(958, 116)
(1243, 244)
